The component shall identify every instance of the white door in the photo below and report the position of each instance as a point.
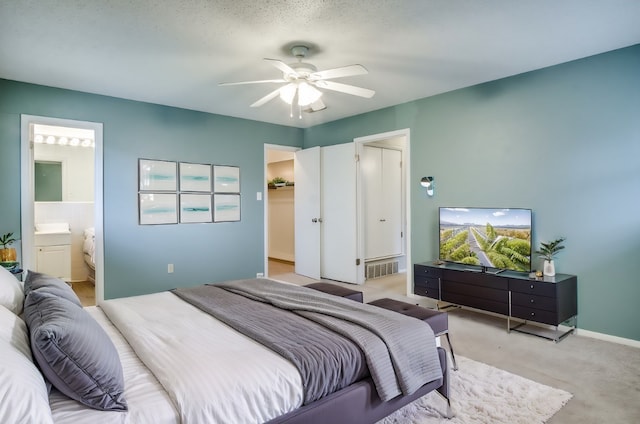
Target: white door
(382, 191)
(339, 247)
(306, 170)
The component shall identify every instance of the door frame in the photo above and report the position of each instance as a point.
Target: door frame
(360, 142)
(27, 197)
(265, 198)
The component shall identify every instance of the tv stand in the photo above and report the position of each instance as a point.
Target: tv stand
(551, 300)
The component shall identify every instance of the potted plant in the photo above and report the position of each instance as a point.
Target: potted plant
(279, 182)
(7, 254)
(548, 252)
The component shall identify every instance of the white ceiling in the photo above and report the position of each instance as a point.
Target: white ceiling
(176, 52)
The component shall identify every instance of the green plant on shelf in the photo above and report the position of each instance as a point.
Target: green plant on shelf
(279, 181)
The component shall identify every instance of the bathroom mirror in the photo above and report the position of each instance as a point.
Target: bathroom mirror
(63, 173)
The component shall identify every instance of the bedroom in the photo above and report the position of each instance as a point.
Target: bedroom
(566, 139)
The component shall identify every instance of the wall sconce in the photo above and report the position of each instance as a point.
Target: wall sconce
(427, 182)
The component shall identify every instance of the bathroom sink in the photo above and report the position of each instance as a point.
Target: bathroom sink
(52, 234)
(53, 228)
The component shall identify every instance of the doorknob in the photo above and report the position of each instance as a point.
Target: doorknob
(383, 220)
(314, 220)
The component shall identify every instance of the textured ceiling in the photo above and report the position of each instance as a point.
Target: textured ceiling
(176, 52)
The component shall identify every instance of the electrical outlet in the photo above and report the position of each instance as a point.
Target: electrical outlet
(170, 268)
(260, 275)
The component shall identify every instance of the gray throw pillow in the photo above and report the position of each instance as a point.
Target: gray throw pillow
(46, 283)
(73, 352)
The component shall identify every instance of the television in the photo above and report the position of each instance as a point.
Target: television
(486, 238)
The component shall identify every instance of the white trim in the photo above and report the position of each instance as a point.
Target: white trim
(360, 141)
(265, 199)
(608, 338)
(27, 192)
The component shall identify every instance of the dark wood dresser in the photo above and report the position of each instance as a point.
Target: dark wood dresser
(550, 300)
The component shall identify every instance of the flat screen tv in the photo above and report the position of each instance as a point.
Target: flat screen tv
(499, 239)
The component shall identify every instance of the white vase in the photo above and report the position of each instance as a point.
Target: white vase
(549, 268)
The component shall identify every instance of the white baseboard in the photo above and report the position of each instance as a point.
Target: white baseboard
(608, 338)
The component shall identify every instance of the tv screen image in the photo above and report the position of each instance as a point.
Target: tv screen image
(493, 238)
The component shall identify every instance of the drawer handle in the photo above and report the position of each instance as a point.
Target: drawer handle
(533, 314)
(531, 285)
(532, 301)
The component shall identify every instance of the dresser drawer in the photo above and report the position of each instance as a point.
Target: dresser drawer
(431, 292)
(534, 301)
(475, 302)
(432, 283)
(426, 271)
(539, 288)
(536, 315)
(477, 278)
(488, 293)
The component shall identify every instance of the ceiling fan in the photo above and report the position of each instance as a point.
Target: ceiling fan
(303, 81)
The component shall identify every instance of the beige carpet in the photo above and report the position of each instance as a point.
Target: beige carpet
(482, 394)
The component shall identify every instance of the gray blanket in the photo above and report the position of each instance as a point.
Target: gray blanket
(327, 361)
(400, 351)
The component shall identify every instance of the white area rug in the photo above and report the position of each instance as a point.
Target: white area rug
(484, 394)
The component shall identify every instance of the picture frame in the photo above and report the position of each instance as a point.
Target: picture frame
(195, 208)
(226, 207)
(157, 175)
(158, 208)
(195, 177)
(226, 179)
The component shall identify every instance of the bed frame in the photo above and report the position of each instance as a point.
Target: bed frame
(360, 404)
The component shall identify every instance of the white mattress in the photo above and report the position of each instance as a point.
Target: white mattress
(212, 373)
(148, 401)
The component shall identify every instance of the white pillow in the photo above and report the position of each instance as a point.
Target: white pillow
(11, 292)
(23, 391)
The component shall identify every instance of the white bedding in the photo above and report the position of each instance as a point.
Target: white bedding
(147, 400)
(212, 373)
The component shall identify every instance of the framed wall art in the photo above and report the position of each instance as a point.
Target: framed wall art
(195, 208)
(158, 208)
(226, 179)
(157, 175)
(195, 177)
(226, 207)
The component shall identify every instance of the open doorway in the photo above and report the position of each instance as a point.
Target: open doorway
(61, 191)
(279, 211)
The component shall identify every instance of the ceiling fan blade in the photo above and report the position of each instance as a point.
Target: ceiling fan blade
(345, 71)
(345, 88)
(267, 98)
(252, 82)
(282, 66)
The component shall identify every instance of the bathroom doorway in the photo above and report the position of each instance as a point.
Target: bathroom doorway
(62, 202)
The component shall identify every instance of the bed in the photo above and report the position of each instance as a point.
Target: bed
(187, 366)
(89, 252)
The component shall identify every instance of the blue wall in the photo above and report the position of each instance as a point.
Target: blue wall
(136, 257)
(563, 141)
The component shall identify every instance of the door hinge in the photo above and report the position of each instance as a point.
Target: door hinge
(358, 262)
(357, 158)
(401, 234)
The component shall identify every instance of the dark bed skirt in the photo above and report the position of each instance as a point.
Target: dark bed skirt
(359, 403)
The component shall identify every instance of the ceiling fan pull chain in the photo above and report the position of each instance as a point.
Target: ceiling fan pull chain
(291, 110)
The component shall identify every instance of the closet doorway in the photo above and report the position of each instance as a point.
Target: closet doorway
(279, 209)
(62, 198)
(384, 204)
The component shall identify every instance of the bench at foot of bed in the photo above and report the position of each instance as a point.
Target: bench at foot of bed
(438, 320)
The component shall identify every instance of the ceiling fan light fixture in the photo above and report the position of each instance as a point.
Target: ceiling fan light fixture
(307, 94)
(287, 93)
